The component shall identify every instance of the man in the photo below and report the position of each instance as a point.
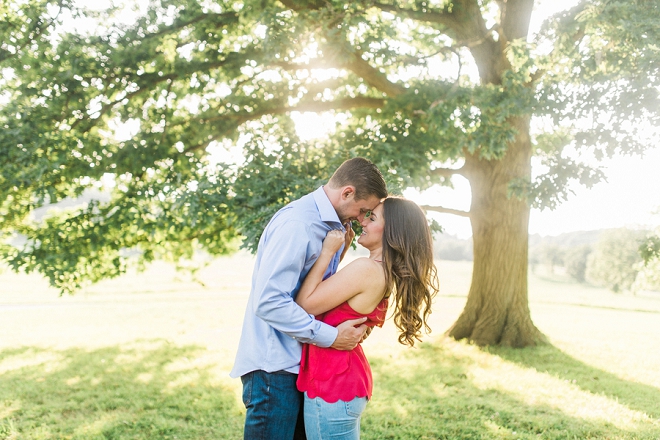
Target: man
(275, 327)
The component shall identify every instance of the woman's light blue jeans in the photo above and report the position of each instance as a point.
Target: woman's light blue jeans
(336, 421)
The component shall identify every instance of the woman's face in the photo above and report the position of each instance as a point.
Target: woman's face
(372, 229)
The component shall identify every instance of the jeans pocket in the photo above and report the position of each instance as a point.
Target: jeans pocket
(356, 407)
(247, 380)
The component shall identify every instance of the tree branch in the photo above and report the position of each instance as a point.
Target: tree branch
(465, 24)
(447, 172)
(534, 77)
(145, 83)
(437, 17)
(180, 24)
(358, 66)
(298, 5)
(515, 19)
(373, 76)
(339, 104)
(446, 210)
(315, 63)
(311, 106)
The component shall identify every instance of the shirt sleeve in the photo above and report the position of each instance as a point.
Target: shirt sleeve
(283, 258)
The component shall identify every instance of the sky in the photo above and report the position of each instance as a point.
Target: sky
(630, 198)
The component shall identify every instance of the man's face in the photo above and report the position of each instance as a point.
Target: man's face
(350, 209)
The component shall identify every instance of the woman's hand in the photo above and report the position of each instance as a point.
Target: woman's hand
(350, 234)
(331, 244)
(333, 241)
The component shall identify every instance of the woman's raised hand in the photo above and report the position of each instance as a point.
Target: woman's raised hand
(350, 234)
(333, 240)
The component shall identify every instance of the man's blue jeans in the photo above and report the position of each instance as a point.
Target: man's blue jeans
(274, 406)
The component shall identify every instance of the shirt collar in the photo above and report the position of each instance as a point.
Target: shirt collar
(326, 210)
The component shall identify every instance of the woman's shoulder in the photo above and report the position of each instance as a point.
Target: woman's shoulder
(366, 272)
(364, 263)
(370, 277)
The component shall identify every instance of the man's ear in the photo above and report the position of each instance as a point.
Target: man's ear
(347, 192)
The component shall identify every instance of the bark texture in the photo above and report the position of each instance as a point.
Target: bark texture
(497, 310)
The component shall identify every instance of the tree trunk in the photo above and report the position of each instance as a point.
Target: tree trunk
(497, 310)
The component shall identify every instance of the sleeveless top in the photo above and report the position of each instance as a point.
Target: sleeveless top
(338, 374)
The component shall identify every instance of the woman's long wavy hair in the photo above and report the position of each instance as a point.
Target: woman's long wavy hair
(409, 270)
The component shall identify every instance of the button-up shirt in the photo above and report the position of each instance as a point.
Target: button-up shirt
(274, 326)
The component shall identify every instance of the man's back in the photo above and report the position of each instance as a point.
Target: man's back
(274, 326)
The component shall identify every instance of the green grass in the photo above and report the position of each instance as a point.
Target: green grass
(116, 392)
(147, 357)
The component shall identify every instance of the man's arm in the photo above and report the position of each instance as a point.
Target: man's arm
(350, 333)
(282, 260)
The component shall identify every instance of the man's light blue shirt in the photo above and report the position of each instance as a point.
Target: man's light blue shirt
(274, 326)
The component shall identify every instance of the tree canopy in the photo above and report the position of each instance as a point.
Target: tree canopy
(183, 111)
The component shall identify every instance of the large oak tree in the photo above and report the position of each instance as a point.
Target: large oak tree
(185, 110)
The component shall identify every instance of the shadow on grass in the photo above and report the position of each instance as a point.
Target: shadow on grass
(146, 390)
(428, 394)
(549, 359)
(152, 390)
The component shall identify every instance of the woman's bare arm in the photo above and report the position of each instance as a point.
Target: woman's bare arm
(331, 244)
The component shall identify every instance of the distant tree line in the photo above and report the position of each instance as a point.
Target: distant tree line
(650, 251)
(452, 248)
(608, 258)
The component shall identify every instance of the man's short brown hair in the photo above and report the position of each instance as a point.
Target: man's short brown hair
(363, 175)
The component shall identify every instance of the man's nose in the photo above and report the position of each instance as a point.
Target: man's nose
(361, 219)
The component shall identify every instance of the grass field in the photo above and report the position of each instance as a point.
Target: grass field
(147, 357)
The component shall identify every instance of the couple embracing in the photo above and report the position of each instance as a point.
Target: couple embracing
(303, 370)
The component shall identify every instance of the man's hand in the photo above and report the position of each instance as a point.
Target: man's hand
(348, 335)
(366, 334)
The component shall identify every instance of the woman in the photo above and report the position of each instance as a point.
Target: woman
(337, 384)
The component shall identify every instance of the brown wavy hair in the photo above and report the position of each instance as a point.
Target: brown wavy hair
(363, 175)
(410, 273)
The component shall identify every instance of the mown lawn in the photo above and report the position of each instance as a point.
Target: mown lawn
(147, 357)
